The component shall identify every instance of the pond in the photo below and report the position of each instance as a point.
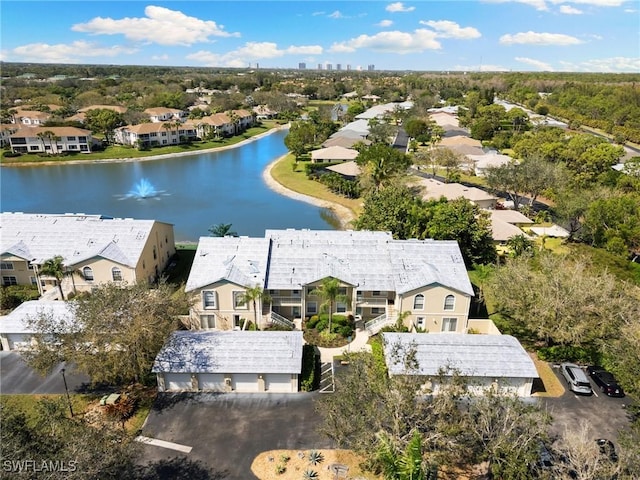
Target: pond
(192, 192)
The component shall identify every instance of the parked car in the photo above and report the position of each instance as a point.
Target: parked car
(576, 378)
(607, 449)
(606, 381)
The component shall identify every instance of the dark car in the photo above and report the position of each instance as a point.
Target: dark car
(606, 381)
(607, 449)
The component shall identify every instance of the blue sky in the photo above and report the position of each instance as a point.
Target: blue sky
(474, 35)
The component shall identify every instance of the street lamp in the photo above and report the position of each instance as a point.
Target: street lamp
(66, 389)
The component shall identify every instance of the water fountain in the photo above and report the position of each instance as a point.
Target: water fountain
(142, 190)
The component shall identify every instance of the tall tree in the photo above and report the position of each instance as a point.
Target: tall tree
(251, 296)
(54, 267)
(381, 165)
(116, 334)
(329, 292)
(104, 121)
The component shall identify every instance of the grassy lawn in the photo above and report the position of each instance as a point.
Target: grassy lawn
(121, 151)
(28, 403)
(297, 181)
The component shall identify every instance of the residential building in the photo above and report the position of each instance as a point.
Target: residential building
(95, 249)
(6, 130)
(162, 114)
(51, 140)
(16, 330)
(435, 189)
(155, 134)
(425, 280)
(485, 362)
(333, 154)
(230, 362)
(347, 170)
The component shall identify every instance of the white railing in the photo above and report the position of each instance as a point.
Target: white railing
(280, 320)
(290, 300)
(371, 301)
(378, 323)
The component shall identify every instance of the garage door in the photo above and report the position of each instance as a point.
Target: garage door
(177, 381)
(245, 382)
(18, 341)
(212, 382)
(278, 382)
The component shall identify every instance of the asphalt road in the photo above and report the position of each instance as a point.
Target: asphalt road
(606, 416)
(17, 377)
(227, 431)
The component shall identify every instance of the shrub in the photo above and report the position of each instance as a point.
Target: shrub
(309, 475)
(315, 457)
(280, 469)
(561, 353)
(14, 295)
(11, 154)
(310, 376)
(284, 458)
(313, 321)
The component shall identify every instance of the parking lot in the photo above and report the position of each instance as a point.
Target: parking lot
(227, 431)
(605, 415)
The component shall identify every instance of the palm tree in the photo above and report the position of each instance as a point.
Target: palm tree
(177, 124)
(54, 267)
(252, 295)
(168, 126)
(222, 230)
(329, 291)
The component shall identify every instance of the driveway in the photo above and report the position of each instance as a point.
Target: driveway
(605, 415)
(17, 377)
(227, 431)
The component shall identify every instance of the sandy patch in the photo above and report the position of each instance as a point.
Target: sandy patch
(265, 465)
(342, 213)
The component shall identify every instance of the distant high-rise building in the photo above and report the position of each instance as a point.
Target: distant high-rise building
(319, 66)
(348, 67)
(329, 66)
(302, 66)
(338, 66)
(371, 67)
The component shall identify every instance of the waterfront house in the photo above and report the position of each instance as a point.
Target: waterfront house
(95, 249)
(52, 140)
(424, 280)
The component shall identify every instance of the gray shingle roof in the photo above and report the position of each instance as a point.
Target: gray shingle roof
(472, 355)
(231, 352)
(17, 320)
(289, 259)
(76, 237)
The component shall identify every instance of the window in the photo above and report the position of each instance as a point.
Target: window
(155, 254)
(375, 293)
(449, 302)
(377, 311)
(273, 292)
(312, 307)
(6, 281)
(84, 148)
(449, 324)
(30, 266)
(341, 307)
(295, 293)
(73, 147)
(238, 300)
(237, 321)
(418, 302)
(342, 291)
(34, 147)
(33, 280)
(88, 274)
(153, 134)
(420, 323)
(164, 134)
(296, 312)
(82, 139)
(71, 139)
(209, 299)
(6, 265)
(116, 274)
(207, 321)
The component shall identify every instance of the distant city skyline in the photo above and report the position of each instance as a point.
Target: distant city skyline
(473, 35)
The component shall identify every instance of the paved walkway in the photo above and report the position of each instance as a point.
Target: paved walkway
(359, 343)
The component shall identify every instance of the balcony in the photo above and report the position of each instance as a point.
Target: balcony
(362, 301)
(286, 301)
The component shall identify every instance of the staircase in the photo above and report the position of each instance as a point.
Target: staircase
(374, 326)
(280, 320)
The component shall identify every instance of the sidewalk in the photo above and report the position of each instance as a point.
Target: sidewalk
(359, 343)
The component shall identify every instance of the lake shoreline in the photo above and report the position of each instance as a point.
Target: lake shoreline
(162, 156)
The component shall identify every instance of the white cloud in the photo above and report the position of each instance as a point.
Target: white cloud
(161, 25)
(595, 3)
(384, 23)
(315, 14)
(610, 65)
(569, 10)
(480, 68)
(391, 42)
(335, 14)
(398, 7)
(630, 10)
(449, 29)
(536, 38)
(160, 57)
(537, 4)
(535, 63)
(75, 52)
(251, 51)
